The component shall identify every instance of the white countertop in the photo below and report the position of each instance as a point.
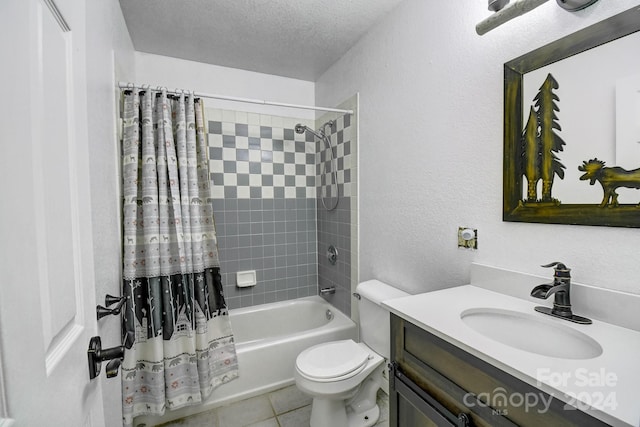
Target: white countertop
(607, 387)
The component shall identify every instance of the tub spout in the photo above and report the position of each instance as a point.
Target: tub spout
(328, 291)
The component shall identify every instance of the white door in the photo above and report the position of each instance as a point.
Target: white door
(47, 301)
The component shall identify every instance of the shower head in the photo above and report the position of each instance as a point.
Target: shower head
(300, 128)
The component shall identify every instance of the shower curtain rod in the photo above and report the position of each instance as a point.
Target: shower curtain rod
(123, 85)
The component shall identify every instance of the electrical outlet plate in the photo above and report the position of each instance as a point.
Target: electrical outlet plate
(469, 244)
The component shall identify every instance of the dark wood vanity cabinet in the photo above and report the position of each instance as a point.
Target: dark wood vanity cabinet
(434, 383)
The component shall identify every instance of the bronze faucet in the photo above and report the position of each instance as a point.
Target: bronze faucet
(560, 288)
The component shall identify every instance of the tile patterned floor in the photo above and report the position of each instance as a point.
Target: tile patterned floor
(287, 407)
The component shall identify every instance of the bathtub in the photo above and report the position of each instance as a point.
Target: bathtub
(269, 337)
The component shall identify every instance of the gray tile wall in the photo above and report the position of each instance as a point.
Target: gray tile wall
(337, 227)
(264, 187)
(334, 229)
(267, 183)
(274, 237)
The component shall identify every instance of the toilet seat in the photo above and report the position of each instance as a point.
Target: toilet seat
(333, 361)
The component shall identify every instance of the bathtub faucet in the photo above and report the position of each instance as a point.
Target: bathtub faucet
(328, 291)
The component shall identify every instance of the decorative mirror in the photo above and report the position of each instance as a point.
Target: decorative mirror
(572, 128)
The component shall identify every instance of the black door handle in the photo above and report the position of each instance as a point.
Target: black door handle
(96, 355)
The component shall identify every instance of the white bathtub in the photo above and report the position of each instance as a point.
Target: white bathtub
(269, 337)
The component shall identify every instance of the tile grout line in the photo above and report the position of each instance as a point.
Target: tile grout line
(273, 409)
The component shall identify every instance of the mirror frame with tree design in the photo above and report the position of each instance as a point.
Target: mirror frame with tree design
(515, 206)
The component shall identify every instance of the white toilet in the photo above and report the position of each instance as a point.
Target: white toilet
(344, 376)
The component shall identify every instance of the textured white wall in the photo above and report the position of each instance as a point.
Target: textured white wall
(181, 74)
(109, 58)
(431, 107)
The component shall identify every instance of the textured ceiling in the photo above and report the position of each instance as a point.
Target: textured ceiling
(292, 38)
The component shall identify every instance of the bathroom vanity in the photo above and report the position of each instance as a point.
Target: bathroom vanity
(446, 370)
(436, 383)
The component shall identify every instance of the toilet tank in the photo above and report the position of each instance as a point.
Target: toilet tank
(374, 318)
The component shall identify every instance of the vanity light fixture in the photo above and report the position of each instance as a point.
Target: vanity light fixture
(506, 11)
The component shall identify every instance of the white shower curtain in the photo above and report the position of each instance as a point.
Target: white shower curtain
(183, 346)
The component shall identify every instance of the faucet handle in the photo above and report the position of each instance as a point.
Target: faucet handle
(560, 270)
(553, 264)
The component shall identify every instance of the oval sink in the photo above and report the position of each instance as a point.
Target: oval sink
(529, 333)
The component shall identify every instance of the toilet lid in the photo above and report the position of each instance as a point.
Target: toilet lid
(332, 360)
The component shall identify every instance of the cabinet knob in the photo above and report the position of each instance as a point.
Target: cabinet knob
(463, 420)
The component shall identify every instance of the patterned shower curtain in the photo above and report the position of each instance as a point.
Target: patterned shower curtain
(183, 347)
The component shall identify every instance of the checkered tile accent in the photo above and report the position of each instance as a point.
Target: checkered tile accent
(260, 162)
(344, 159)
(268, 218)
(337, 227)
(263, 179)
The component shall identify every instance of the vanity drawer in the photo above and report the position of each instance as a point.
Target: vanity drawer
(463, 383)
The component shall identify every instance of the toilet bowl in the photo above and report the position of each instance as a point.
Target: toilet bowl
(343, 377)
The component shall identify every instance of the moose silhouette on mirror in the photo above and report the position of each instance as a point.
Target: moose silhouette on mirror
(552, 147)
(611, 178)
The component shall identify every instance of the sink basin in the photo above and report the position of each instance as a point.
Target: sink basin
(530, 333)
